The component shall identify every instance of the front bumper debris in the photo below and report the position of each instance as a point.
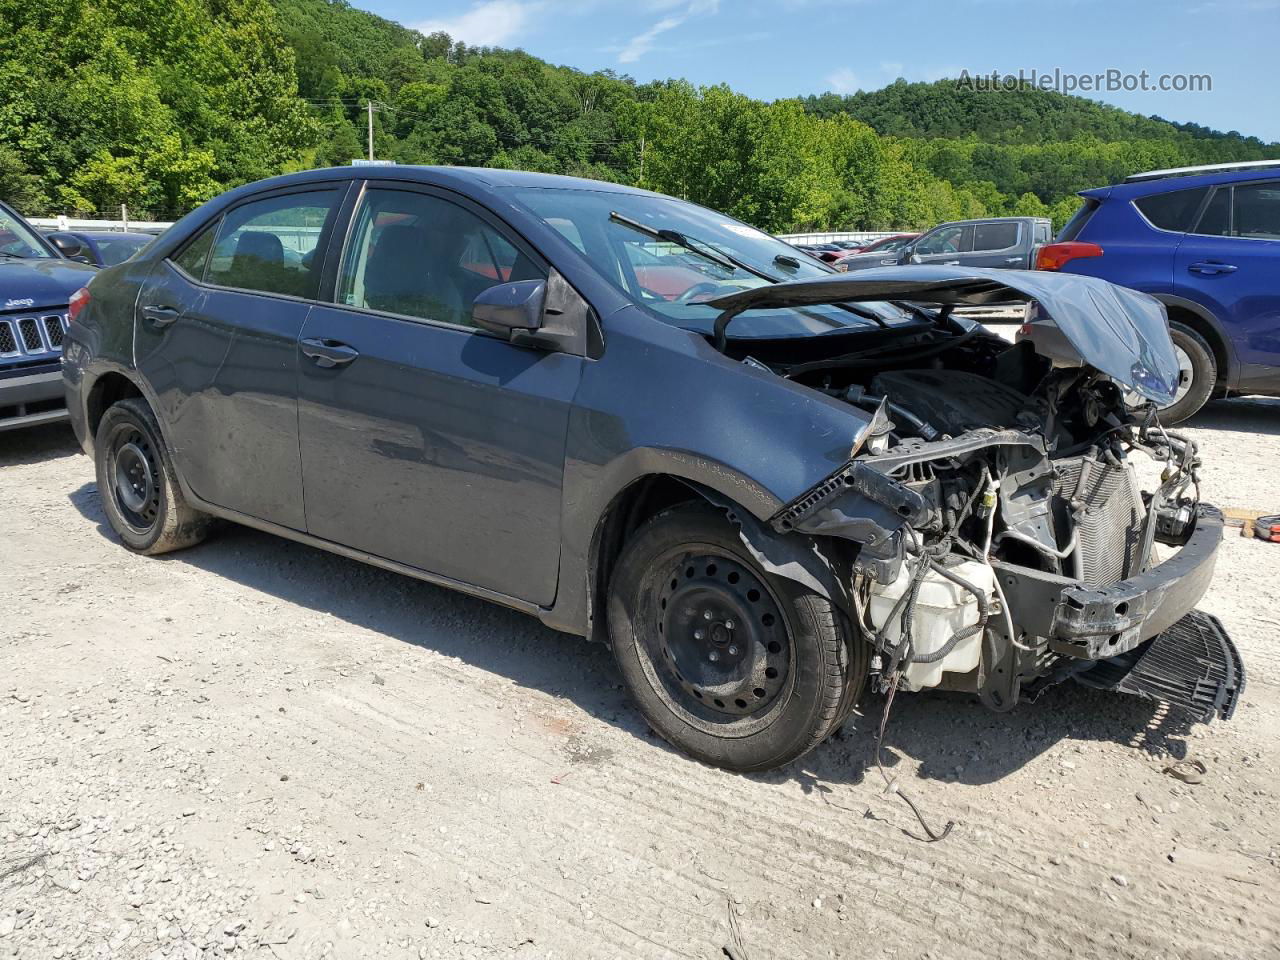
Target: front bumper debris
(1193, 666)
(1091, 623)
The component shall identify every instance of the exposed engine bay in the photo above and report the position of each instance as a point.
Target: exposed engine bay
(1004, 541)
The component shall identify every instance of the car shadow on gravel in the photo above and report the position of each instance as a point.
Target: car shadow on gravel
(36, 444)
(951, 736)
(1259, 415)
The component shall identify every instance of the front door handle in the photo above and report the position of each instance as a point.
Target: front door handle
(1211, 267)
(1012, 259)
(329, 353)
(159, 315)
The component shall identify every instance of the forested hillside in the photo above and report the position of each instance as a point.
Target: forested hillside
(163, 103)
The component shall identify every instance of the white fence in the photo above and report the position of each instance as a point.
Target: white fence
(856, 236)
(79, 223)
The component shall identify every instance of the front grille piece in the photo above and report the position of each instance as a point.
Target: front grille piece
(8, 344)
(30, 333)
(1193, 666)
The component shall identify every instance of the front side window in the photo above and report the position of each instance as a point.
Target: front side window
(19, 241)
(422, 256)
(995, 236)
(1257, 211)
(947, 240)
(119, 248)
(271, 245)
(1173, 210)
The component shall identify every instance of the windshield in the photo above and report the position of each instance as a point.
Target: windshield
(19, 240)
(119, 247)
(672, 257)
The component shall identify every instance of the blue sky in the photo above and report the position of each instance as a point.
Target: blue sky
(780, 48)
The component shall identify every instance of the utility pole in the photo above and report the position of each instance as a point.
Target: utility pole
(370, 129)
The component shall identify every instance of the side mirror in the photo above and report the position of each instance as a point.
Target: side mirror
(508, 308)
(69, 247)
(910, 256)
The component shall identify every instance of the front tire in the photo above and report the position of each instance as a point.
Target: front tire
(732, 665)
(139, 487)
(1198, 372)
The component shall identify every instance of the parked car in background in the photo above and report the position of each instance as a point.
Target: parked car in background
(103, 248)
(1205, 242)
(36, 284)
(1009, 243)
(826, 252)
(883, 247)
(761, 491)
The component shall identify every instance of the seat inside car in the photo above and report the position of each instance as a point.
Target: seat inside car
(407, 273)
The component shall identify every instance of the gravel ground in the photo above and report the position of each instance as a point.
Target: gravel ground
(255, 748)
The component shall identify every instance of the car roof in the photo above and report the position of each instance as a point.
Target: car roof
(965, 223)
(1143, 188)
(478, 176)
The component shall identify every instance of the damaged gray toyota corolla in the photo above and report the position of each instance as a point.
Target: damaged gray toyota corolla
(762, 482)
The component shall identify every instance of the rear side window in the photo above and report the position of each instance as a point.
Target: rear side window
(1174, 211)
(1071, 229)
(271, 245)
(1216, 219)
(995, 236)
(1256, 211)
(195, 256)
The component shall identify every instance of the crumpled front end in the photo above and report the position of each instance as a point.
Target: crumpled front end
(1003, 540)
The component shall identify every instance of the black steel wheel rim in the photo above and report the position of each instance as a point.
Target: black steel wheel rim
(134, 477)
(718, 643)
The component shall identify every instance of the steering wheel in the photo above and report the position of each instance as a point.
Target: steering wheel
(697, 290)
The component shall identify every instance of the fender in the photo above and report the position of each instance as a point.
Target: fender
(1231, 375)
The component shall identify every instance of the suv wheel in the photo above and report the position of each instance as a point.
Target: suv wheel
(1197, 374)
(734, 666)
(139, 488)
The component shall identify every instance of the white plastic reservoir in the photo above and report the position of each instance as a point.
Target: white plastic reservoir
(942, 608)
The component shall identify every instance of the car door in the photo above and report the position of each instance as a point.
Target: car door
(216, 337)
(943, 244)
(996, 244)
(1230, 263)
(424, 439)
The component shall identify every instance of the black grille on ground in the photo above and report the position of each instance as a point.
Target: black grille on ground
(8, 344)
(53, 330)
(30, 334)
(1193, 666)
(1111, 529)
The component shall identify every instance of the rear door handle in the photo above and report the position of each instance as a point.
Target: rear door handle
(1211, 267)
(329, 353)
(159, 315)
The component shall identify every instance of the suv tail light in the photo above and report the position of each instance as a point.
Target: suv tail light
(1053, 255)
(79, 300)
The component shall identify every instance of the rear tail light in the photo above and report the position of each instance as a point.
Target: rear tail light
(79, 300)
(1052, 256)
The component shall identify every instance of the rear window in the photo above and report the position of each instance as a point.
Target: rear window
(1216, 219)
(1174, 211)
(995, 236)
(1257, 211)
(1072, 228)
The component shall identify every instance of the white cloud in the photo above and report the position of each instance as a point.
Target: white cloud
(843, 80)
(490, 23)
(642, 43)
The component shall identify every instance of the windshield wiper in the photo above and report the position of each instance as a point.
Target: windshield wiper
(672, 236)
(15, 256)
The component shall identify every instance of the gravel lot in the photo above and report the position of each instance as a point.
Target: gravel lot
(255, 748)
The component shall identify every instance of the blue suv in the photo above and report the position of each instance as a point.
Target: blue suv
(1205, 242)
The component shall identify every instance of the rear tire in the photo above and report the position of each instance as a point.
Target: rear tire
(1203, 374)
(139, 487)
(732, 665)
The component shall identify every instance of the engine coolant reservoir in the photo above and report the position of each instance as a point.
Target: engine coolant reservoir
(942, 608)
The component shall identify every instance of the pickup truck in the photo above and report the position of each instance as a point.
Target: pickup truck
(1009, 243)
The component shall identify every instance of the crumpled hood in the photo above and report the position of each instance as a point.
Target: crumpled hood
(1073, 319)
(37, 284)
